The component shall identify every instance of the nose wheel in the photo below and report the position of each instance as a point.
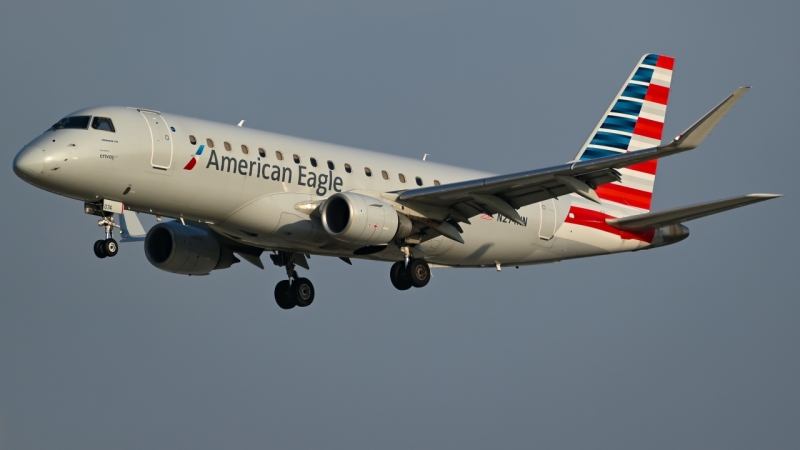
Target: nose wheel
(107, 247)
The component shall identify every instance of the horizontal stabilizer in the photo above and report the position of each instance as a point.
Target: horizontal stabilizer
(130, 226)
(685, 213)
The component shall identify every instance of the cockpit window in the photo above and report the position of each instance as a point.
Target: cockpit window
(79, 122)
(103, 124)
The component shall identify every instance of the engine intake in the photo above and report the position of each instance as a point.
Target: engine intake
(177, 248)
(362, 219)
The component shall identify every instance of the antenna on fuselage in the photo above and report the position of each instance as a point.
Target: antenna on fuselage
(241, 122)
(425, 157)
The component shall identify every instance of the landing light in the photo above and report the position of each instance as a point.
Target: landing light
(306, 207)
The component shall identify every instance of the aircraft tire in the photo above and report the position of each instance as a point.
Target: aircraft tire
(418, 273)
(283, 295)
(110, 247)
(302, 292)
(399, 278)
(98, 249)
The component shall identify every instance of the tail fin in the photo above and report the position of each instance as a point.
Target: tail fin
(633, 121)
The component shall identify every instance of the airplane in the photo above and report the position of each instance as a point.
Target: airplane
(234, 193)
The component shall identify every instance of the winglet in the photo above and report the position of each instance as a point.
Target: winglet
(695, 134)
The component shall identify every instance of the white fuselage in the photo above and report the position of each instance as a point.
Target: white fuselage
(251, 197)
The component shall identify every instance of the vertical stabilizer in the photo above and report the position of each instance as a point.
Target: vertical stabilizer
(633, 121)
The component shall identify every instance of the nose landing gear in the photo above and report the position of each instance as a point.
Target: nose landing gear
(108, 246)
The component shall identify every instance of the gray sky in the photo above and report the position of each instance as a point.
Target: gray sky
(689, 346)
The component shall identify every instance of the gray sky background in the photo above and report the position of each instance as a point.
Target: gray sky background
(689, 346)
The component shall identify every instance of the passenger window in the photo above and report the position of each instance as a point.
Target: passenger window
(419, 181)
(102, 124)
(262, 153)
(367, 171)
(347, 168)
(192, 140)
(245, 150)
(279, 156)
(436, 183)
(313, 162)
(210, 143)
(330, 165)
(78, 122)
(385, 174)
(227, 146)
(401, 177)
(296, 159)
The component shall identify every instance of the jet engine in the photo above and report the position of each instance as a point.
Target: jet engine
(186, 250)
(668, 235)
(361, 219)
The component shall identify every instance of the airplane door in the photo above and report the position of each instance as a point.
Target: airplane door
(547, 225)
(161, 140)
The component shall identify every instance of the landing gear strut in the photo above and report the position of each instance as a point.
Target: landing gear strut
(295, 291)
(410, 272)
(108, 246)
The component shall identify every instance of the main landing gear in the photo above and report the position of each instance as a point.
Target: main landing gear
(296, 291)
(108, 246)
(410, 273)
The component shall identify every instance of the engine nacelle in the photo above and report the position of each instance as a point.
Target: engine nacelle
(362, 219)
(187, 250)
(668, 235)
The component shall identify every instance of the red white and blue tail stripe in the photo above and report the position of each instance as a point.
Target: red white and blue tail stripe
(633, 121)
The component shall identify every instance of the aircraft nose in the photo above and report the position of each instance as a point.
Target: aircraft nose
(29, 162)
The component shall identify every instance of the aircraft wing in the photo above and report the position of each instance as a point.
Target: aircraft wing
(686, 213)
(505, 193)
